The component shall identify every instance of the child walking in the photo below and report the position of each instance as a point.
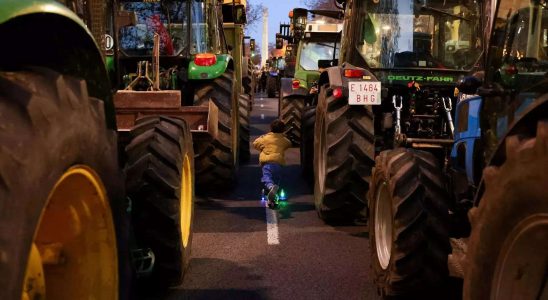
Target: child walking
(272, 148)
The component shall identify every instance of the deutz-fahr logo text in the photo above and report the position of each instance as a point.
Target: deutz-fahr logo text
(420, 78)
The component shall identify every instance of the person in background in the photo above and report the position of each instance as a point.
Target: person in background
(263, 80)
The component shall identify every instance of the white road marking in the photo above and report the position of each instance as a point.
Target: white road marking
(262, 116)
(262, 105)
(272, 227)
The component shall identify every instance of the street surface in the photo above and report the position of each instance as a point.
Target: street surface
(242, 250)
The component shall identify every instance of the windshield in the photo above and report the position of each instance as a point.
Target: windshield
(311, 52)
(205, 34)
(441, 34)
(527, 40)
(167, 18)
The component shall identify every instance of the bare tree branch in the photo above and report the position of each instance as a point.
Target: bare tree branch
(254, 13)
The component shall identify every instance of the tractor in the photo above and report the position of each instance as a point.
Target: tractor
(394, 71)
(234, 36)
(316, 47)
(98, 191)
(444, 199)
(275, 68)
(195, 77)
(64, 225)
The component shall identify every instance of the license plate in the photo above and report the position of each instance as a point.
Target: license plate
(364, 93)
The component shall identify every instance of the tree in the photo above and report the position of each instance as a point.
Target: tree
(254, 13)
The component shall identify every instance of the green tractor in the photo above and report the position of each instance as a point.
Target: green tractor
(64, 230)
(316, 47)
(73, 229)
(410, 55)
(192, 76)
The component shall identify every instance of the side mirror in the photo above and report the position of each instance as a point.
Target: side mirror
(279, 41)
(469, 85)
(239, 14)
(340, 4)
(327, 63)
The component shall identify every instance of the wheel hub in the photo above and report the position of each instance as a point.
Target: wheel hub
(521, 266)
(383, 225)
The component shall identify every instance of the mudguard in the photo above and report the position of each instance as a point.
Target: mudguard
(196, 72)
(529, 118)
(287, 90)
(44, 33)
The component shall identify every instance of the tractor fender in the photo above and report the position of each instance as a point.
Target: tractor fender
(49, 35)
(334, 76)
(331, 76)
(287, 89)
(223, 62)
(536, 111)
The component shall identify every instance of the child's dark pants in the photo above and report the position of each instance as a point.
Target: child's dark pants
(271, 174)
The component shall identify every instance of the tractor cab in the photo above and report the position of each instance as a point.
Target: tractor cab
(190, 37)
(430, 42)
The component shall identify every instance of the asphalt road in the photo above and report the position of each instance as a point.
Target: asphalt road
(235, 256)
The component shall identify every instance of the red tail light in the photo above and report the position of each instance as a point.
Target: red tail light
(205, 59)
(353, 73)
(510, 70)
(337, 92)
(295, 84)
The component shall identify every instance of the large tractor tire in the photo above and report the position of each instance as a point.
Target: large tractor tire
(307, 142)
(61, 192)
(160, 184)
(243, 109)
(216, 161)
(508, 247)
(290, 113)
(343, 157)
(271, 84)
(408, 224)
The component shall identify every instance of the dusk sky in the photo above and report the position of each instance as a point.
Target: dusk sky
(278, 11)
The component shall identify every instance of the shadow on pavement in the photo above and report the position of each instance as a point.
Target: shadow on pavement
(223, 273)
(215, 294)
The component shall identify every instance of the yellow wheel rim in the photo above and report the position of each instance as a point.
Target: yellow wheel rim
(35, 283)
(74, 247)
(186, 200)
(235, 131)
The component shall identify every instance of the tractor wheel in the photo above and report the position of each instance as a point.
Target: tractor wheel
(160, 184)
(271, 86)
(290, 113)
(343, 157)
(408, 220)
(307, 142)
(243, 109)
(63, 224)
(216, 161)
(507, 250)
